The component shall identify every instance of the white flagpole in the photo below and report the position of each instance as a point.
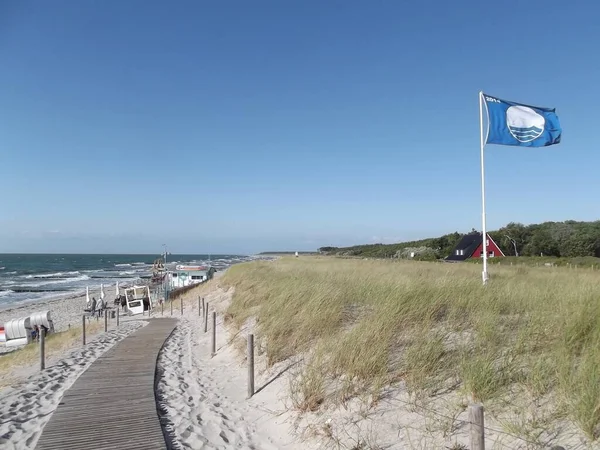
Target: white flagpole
(484, 273)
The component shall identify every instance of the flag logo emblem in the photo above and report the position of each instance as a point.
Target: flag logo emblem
(524, 123)
(512, 123)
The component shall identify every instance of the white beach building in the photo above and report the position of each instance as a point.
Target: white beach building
(184, 276)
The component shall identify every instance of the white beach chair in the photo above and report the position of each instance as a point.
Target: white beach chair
(18, 332)
(42, 319)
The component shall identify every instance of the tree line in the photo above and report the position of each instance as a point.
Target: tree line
(560, 239)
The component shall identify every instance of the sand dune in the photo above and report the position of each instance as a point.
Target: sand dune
(203, 399)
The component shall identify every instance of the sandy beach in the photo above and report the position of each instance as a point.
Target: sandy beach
(65, 311)
(26, 407)
(202, 398)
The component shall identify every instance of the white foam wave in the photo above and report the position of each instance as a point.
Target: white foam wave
(52, 275)
(3, 293)
(122, 265)
(61, 281)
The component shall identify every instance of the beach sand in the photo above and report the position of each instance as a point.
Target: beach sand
(64, 310)
(26, 407)
(203, 398)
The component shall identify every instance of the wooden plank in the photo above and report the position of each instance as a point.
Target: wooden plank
(112, 404)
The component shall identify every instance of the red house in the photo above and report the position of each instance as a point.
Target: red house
(471, 246)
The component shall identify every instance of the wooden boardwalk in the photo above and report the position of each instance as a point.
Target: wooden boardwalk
(112, 404)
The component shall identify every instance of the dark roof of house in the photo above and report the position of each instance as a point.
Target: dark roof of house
(468, 244)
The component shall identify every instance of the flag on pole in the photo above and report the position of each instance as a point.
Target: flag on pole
(522, 125)
(511, 123)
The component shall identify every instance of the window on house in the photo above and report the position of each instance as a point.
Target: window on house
(174, 275)
(492, 254)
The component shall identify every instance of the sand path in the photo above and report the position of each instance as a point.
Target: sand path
(203, 399)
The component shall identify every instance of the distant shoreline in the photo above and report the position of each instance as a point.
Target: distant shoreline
(288, 253)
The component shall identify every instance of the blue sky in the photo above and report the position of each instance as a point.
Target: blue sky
(246, 126)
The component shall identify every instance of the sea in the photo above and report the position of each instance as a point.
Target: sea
(26, 278)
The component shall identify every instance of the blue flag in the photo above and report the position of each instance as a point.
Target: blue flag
(513, 123)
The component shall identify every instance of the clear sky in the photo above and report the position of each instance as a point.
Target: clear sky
(241, 126)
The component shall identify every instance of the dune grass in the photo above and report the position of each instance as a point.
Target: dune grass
(56, 343)
(369, 323)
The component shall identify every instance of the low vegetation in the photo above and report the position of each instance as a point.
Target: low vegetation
(56, 343)
(566, 240)
(533, 332)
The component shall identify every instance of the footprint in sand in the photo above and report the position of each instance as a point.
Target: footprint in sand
(224, 437)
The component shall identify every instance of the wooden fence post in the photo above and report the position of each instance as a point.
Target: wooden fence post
(214, 334)
(199, 306)
(250, 365)
(162, 307)
(83, 330)
(42, 348)
(206, 319)
(171, 306)
(105, 320)
(203, 308)
(117, 316)
(477, 429)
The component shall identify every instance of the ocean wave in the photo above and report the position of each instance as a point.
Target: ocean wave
(8, 292)
(23, 289)
(122, 265)
(2, 268)
(58, 281)
(11, 273)
(53, 275)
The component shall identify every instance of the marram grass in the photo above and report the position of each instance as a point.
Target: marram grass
(431, 325)
(56, 344)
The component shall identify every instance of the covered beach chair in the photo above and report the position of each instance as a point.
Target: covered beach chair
(43, 320)
(18, 332)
